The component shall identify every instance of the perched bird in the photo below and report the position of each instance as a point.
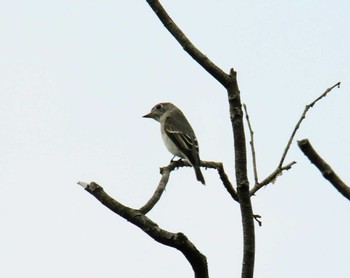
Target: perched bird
(177, 134)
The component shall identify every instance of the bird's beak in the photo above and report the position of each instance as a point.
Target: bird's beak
(149, 115)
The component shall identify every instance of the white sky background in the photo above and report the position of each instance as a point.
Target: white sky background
(75, 79)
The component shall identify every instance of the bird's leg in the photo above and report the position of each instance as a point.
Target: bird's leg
(172, 160)
(176, 161)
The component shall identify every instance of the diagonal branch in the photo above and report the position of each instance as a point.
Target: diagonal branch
(324, 168)
(138, 217)
(223, 176)
(165, 171)
(271, 178)
(187, 45)
(176, 240)
(301, 119)
(280, 168)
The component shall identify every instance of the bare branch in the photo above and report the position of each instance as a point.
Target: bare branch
(231, 85)
(138, 218)
(271, 178)
(224, 178)
(240, 152)
(301, 119)
(187, 45)
(166, 170)
(176, 240)
(257, 219)
(280, 168)
(252, 147)
(324, 168)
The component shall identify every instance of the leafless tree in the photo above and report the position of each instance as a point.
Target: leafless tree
(240, 192)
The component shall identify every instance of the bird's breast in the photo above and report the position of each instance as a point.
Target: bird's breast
(171, 146)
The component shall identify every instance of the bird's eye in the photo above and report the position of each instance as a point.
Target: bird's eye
(159, 106)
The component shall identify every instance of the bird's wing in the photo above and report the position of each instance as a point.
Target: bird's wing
(185, 140)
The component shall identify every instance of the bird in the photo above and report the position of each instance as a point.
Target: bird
(178, 135)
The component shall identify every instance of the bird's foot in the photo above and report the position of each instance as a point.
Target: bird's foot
(173, 159)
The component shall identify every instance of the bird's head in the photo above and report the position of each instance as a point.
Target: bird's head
(159, 110)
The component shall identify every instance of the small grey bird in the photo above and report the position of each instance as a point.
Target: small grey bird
(177, 134)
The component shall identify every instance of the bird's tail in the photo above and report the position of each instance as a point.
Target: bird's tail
(199, 174)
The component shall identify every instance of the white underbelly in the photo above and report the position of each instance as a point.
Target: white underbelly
(171, 146)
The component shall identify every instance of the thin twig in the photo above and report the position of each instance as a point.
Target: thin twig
(257, 219)
(271, 178)
(324, 168)
(301, 119)
(251, 144)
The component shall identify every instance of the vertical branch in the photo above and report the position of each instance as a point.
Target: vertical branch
(236, 115)
(252, 147)
(229, 81)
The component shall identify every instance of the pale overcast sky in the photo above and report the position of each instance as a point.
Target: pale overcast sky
(76, 78)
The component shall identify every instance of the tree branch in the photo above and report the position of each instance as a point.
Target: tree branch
(252, 147)
(138, 218)
(280, 168)
(187, 45)
(301, 119)
(231, 85)
(224, 178)
(271, 178)
(236, 115)
(176, 240)
(324, 168)
(165, 172)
